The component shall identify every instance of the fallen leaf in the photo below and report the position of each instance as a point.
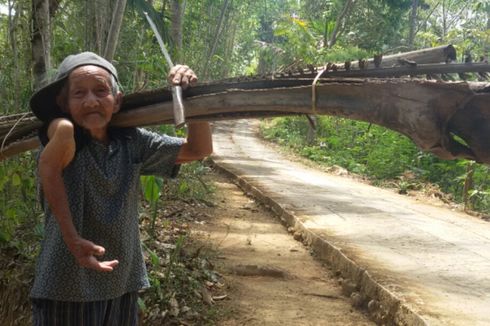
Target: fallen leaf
(220, 297)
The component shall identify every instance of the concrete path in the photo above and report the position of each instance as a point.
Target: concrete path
(434, 260)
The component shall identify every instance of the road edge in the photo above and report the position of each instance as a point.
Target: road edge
(383, 307)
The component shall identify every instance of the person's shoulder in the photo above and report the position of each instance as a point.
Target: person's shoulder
(123, 134)
(144, 134)
(137, 138)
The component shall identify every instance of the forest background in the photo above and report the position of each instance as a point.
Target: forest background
(226, 38)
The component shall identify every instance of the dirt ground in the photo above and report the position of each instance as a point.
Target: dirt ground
(269, 278)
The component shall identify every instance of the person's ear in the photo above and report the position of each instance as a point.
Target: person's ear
(118, 102)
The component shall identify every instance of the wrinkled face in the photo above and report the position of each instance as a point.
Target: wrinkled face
(90, 101)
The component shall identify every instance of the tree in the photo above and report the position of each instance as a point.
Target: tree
(413, 24)
(112, 38)
(12, 22)
(42, 12)
(177, 19)
(340, 22)
(216, 38)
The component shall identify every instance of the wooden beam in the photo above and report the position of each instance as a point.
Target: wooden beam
(439, 54)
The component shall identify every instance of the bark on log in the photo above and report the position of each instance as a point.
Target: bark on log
(19, 147)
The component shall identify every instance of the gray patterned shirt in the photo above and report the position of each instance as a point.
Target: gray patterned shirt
(102, 184)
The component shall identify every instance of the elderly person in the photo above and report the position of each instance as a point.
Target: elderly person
(91, 265)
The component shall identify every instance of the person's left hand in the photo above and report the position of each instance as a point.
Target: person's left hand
(181, 75)
(86, 253)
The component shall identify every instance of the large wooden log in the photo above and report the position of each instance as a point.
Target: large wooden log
(431, 113)
(435, 115)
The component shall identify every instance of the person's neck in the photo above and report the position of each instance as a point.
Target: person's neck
(100, 135)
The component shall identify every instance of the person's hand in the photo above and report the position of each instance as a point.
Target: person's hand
(86, 253)
(181, 75)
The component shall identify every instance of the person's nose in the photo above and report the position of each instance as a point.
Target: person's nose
(90, 100)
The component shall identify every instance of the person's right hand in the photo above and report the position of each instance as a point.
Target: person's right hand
(86, 253)
(182, 75)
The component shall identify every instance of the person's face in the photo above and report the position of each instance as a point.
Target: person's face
(90, 101)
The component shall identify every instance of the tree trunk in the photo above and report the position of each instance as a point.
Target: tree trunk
(177, 18)
(229, 52)
(346, 10)
(487, 44)
(116, 24)
(444, 21)
(325, 32)
(413, 24)
(488, 16)
(41, 42)
(216, 39)
(311, 132)
(15, 55)
(139, 76)
(102, 10)
(92, 12)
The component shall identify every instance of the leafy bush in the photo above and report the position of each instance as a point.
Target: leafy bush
(18, 189)
(20, 232)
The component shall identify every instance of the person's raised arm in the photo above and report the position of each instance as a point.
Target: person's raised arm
(58, 153)
(199, 143)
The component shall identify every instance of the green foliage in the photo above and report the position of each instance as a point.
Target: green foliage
(20, 232)
(189, 185)
(462, 23)
(18, 202)
(380, 154)
(152, 187)
(342, 53)
(176, 279)
(377, 25)
(295, 34)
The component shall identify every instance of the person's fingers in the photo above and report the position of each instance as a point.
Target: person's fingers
(176, 80)
(182, 75)
(175, 74)
(184, 81)
(107, 266)
(98, 250)
(189, 79)
(193, 79)
(101, 266)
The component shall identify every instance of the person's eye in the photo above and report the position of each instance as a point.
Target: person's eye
(102, 91)
(77, 93)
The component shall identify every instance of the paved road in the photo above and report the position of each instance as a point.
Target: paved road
(435, 260)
